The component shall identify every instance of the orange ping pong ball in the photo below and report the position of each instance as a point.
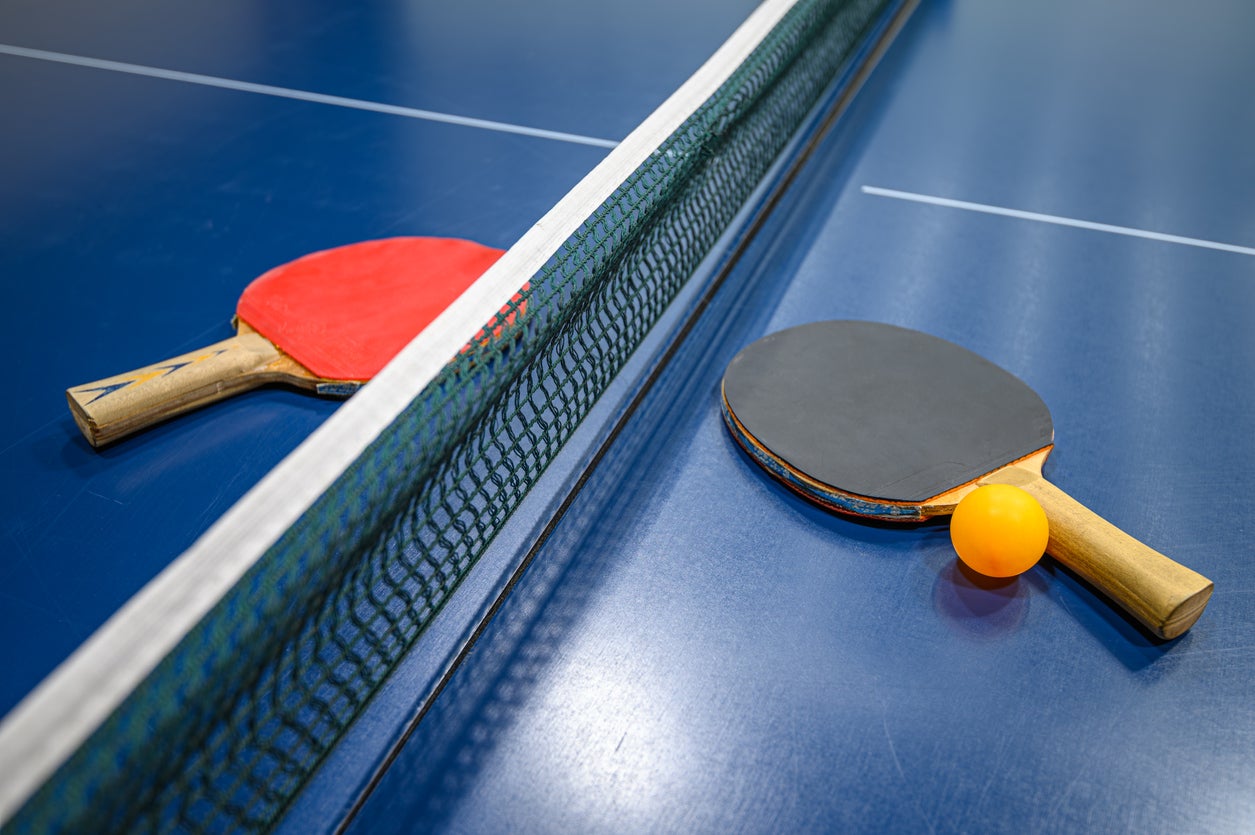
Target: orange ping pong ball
(999, 530)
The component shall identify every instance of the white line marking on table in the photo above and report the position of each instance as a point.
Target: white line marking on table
(302, 95)
(1055, 219)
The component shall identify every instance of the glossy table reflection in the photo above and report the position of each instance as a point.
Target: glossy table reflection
(697, 649)
(694, 648)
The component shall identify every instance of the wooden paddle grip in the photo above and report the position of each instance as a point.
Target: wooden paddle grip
(1162, 594)
(114, 407)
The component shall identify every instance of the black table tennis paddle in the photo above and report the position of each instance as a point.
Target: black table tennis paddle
(888, 423)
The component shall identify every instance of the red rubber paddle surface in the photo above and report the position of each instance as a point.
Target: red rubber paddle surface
(343, 313)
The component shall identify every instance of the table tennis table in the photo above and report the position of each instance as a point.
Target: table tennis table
(656, 636)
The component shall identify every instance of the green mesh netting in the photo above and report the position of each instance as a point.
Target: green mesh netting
(225, 731)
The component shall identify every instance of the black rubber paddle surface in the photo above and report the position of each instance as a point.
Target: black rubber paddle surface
(878, 411)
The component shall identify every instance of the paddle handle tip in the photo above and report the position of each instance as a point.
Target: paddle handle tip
(115, 407)
(1161, 594)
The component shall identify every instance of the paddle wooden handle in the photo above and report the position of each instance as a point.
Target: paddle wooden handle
(114, 407)
(1163, 595)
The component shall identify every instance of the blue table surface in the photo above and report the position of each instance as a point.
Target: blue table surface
(697, 649)
(694, 649)
(133, 211)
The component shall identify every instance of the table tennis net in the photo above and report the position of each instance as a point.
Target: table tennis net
(227, 729)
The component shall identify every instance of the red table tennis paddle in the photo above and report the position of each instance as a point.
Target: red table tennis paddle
(328, 321)
(888, 423)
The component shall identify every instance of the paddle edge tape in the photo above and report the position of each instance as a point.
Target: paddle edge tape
(867, 507)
